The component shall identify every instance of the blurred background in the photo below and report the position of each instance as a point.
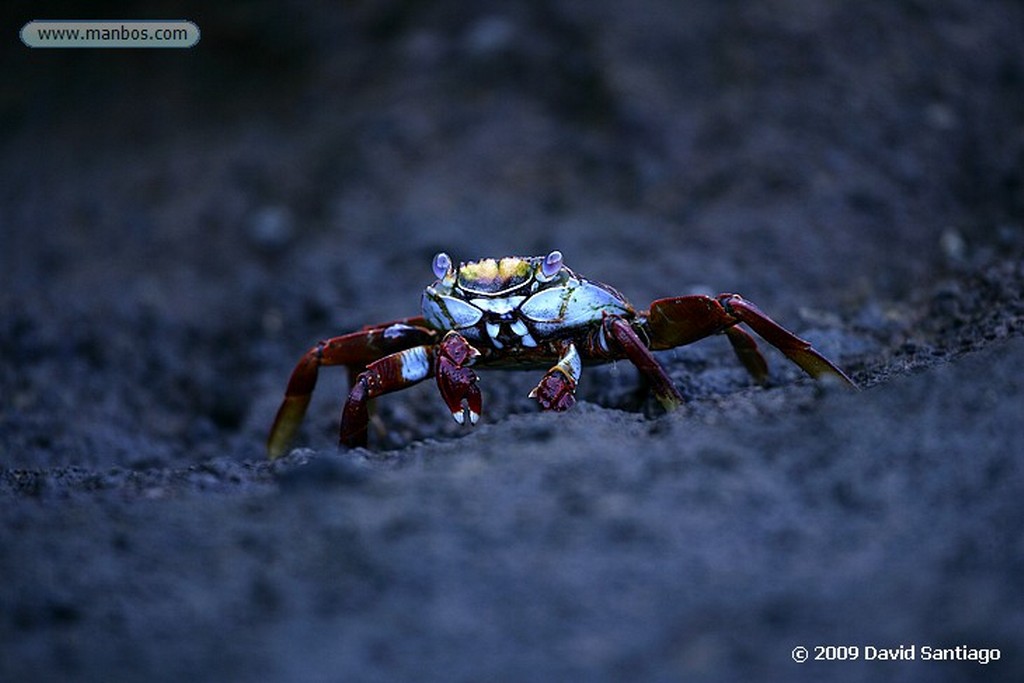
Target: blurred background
(191, 220)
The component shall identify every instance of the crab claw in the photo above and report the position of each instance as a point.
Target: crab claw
(455, 381)
(556, 390)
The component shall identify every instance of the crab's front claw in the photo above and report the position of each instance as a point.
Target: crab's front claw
(455, 380)
(557, 389)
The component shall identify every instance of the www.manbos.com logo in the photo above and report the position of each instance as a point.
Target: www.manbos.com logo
(46, 33)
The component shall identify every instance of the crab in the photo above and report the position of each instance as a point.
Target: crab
(526, 313)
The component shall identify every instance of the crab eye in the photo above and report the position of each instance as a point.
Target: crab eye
(551, 265)
(442, 265)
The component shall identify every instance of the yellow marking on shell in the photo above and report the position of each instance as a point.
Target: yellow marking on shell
(492, 274)
(511, 266)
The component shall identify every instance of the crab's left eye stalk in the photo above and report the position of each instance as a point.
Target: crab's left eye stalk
(442, 265)
(551, 265)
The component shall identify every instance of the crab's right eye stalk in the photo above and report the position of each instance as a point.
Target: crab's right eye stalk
(442, 265)
(551, 265)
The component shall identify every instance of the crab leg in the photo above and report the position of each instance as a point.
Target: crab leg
(353, 350)
(683, 320)
(637, 352)
(746, 350)
(793, 347)
(390, 373)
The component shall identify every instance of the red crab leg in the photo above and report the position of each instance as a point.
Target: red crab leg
(637, 352)
(746, 350)
(796, 349)
(372, 342)
(390, 373)
(685, 319)
(354, 350)
(682, 320)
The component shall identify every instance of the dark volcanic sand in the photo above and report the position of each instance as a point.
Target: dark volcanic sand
(177, 227)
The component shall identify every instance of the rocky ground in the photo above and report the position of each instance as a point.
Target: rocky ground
(176, 228)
